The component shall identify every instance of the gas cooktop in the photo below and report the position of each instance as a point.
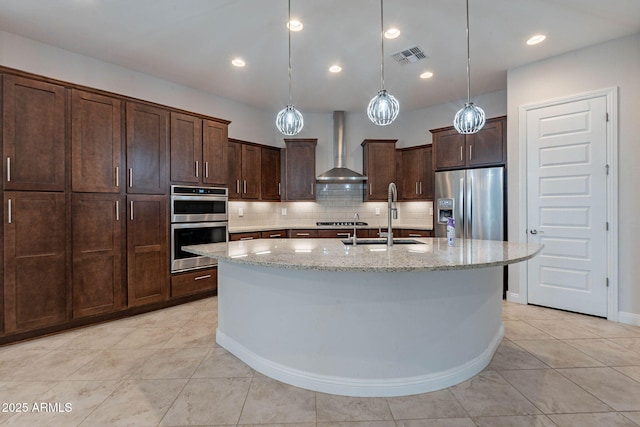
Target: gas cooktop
(338, 223)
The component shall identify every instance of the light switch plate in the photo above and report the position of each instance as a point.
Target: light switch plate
(240, 211)
(284, 211)
(377, 211)
(431, 211)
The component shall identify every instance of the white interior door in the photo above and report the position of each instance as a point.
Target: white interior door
(567, 205)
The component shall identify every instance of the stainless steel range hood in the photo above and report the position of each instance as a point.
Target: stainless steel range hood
(339, 174)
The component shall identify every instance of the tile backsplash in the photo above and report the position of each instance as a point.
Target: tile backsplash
(334, 202)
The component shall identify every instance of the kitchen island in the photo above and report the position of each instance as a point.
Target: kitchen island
(365, 320)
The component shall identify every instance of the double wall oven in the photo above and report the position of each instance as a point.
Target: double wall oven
(199, 215)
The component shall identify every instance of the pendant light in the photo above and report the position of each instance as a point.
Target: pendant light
(383, 108)
(471, 118)
(289, 121)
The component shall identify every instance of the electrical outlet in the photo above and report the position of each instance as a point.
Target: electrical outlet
(431, 211)
(284, 211)
(240, 211)
(377, 211)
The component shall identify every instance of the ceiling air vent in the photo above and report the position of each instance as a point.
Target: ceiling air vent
(409, 55)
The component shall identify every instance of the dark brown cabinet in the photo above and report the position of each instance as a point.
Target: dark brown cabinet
(416, 175)
(214, 152)
(194, 282)
(300, 169)
(405, 232)
(147, 147)
(97, 229)
(244, 170)
(303, 233)
(147, 249)
(96, 142)
(379, 165)
(274, 234)
(341, 233)
(250, 235)
(35, 264)
(270, 173)
(488, 147)
(33, 134)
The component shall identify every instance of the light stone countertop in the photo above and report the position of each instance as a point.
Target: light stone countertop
(431, 254)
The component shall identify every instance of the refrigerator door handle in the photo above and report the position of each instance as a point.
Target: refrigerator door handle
(469, 216)
(461, 198)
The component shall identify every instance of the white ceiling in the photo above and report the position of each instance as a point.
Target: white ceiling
(192, 42)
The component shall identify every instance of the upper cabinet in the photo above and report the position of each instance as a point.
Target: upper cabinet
(244, 170)
(147, 147)
(198, 150)
(270, 173)
(416, 182)
(379, 165)
(33, 131)
(488, 147)
(300, 169)
(96, 142)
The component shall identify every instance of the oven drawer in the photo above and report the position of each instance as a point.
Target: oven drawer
(194, 282)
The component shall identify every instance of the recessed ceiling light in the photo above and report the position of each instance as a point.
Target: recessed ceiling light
(238, 62)
(392, 33)
(295, 25)
(335, 68)
(426, 75)
(538, 38)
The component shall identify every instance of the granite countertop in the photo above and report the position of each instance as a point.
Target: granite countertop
(252, 228)
(431, 254)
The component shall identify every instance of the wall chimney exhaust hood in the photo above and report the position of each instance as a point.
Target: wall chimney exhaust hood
(339, 174)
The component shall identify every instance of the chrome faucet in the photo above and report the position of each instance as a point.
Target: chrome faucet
(356, 218)
(392, 203)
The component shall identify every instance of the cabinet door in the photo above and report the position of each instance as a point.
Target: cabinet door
(380, 167)
(96, 142)
(428, 175)
(33, 135)
(147, 140)
(300, 170)
(186, 148)
(251, 155)
(487, 146)
(412, 174)
(35, 282)
(147, 249)
(214, 153)
(234, 153)
(270, 172)
(97, 253)
(448, 149)
(192, 283)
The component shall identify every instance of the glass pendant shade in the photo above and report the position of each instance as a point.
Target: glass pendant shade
(383, 108)
(289, 121)
(469, 119)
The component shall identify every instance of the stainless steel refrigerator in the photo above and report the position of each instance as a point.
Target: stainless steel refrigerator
(475, 199)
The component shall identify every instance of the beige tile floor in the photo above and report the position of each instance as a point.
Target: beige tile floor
(163, 369)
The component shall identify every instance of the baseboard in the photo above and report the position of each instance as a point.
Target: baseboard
(629, 318)
(514, 297)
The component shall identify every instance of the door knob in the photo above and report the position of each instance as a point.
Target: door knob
(534, 231)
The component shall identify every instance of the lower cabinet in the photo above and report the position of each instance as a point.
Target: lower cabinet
(190, 283)
(341, 233)
(274, 234)
(405, 232)
(303, 234)
(244, 236)
(35, 262)
(96, 227)
(147, 250)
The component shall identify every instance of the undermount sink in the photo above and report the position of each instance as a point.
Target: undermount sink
(382, 241)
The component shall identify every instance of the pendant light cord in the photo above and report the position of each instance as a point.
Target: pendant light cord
(382, 44)
(289, 28)
(468, 60)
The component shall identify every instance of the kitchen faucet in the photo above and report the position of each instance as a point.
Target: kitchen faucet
(356, 218)
(392, 203)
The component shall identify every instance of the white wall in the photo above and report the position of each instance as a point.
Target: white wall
(615, 63)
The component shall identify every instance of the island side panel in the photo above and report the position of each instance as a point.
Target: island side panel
(366, 334)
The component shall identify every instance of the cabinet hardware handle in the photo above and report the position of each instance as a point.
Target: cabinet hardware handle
(237, 186)
(9, 211)
(117, 210)
(117, 176)
(312, 188)
(275, 235)
(470, 151)
(344, 234)
(244, 186)
(417, 188)
(302, 234)
(420, 187)
(461, 158)
(132, 210)
(278, 189)
(8, 169)
(415, 235)
(202, 277)
(196, 168)
(206, 169)
(246, 238)
(371, 189)
(130, 177)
